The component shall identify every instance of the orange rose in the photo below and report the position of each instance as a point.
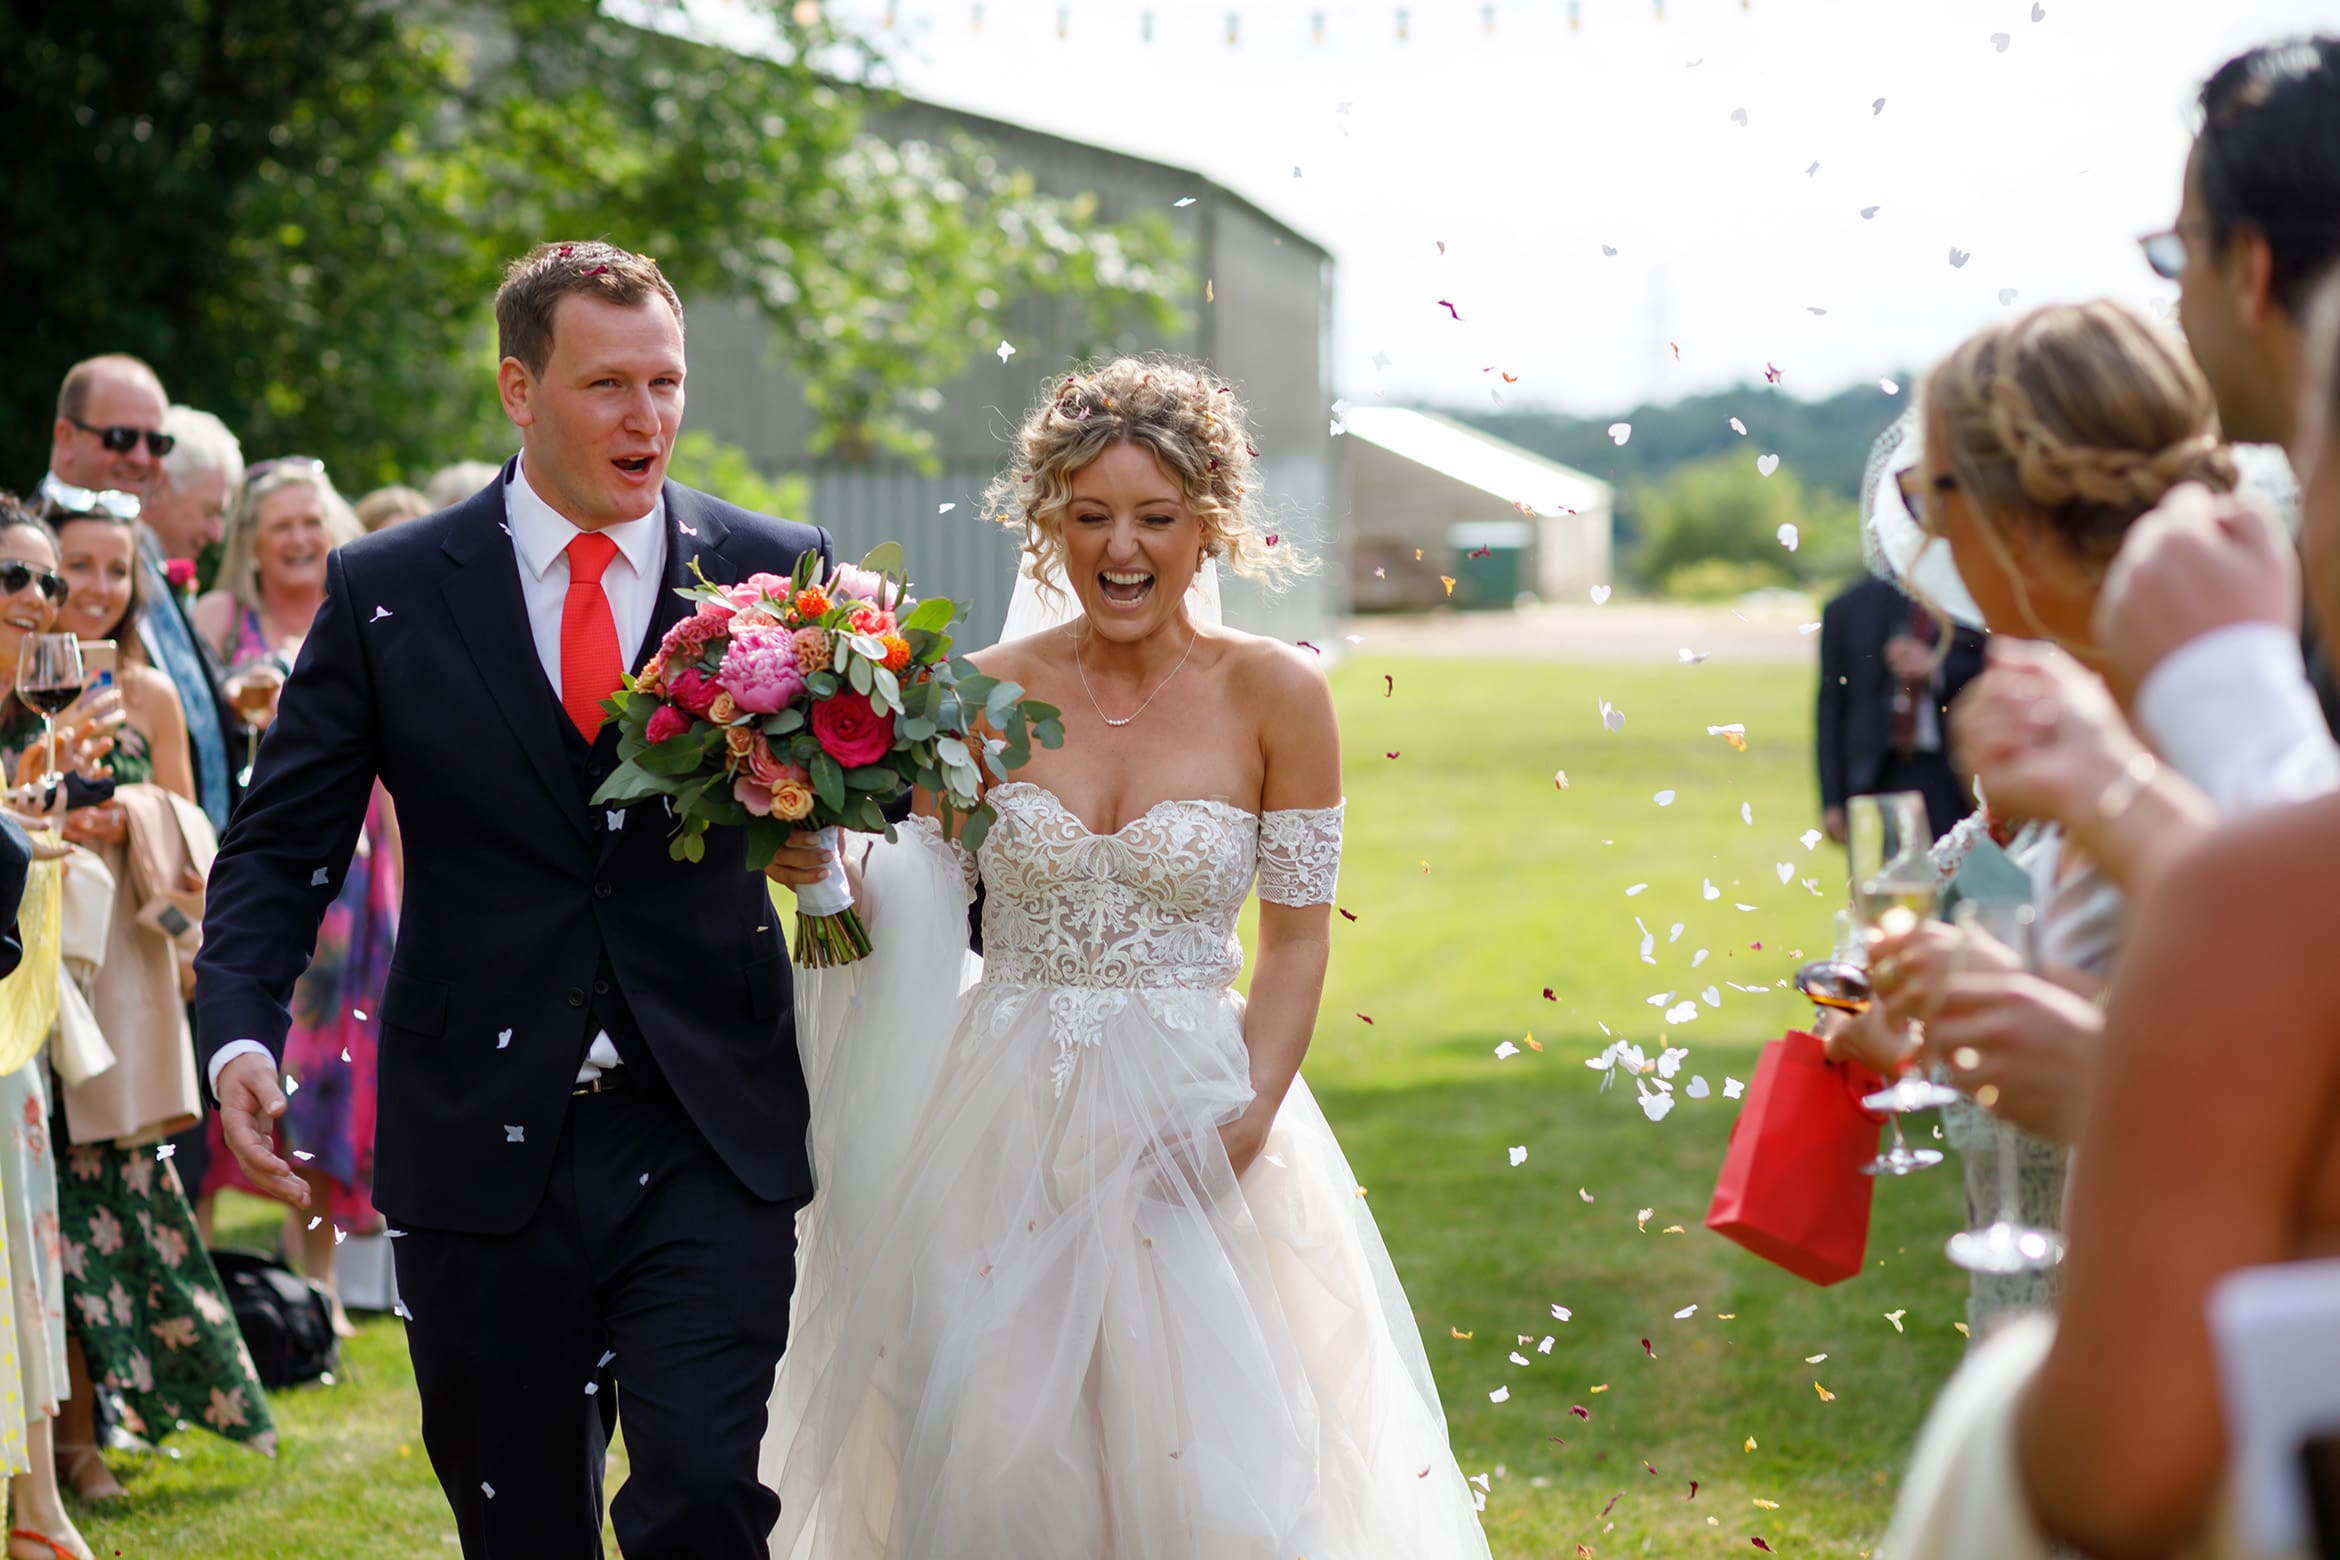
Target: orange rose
(653, 673)
(791, 800)
(724, 710)
(739, 739)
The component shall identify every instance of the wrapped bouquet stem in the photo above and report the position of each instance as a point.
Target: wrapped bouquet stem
(812, 702)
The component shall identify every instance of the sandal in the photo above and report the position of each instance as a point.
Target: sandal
(28, 1536)
(74, 1463)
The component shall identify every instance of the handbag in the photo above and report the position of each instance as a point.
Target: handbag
(286, 1320)
(1791, 1189)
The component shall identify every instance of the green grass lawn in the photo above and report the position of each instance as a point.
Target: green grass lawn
(1476, 884)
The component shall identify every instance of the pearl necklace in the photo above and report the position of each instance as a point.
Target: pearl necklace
(1141, 709)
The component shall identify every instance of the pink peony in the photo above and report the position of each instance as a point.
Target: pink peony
(666, 722)
(860, 584)
(760, 671)
(693, 689)
(851, 729)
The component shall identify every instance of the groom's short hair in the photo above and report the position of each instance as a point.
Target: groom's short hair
(536, 282)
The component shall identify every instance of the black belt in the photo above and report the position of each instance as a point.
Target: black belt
(610, 1080)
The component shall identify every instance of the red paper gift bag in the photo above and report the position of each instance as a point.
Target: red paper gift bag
(1791, 1188)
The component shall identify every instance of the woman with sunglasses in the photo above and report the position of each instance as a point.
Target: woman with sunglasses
(272, 581)
(2043, 441)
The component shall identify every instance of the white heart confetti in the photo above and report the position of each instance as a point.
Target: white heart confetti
(1712, 997)
(1739, 117)
(1697, 1089)
(1518, 1358)
(1787, 870)
(317, 878)
(1610, 251)
(946, 509)
(379, 614)
(1612, 717)
(2008, 295)
(1675, 934)
(1811, 837)
(1681, 1012)
(1788, 535)
(1620, 432)
(1767, 464)
(1664, 798)
(1655, 1106)
(1546, 1346)
(1600, 595)
(1692, 657)
(1869, 213)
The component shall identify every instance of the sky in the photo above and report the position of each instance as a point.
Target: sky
(1493, 155)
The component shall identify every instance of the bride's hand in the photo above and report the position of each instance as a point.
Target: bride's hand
(800, 862)
(1245, 1137)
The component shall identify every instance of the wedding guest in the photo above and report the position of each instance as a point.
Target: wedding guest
(2201, 613)
(272, 581)
(109, 438)
(388, 506)
(2044, 439)
(147, 1317)
(452, 484)
(1889, 671)
(188, 508)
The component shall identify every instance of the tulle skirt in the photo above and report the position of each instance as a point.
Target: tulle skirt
(1038, 1315)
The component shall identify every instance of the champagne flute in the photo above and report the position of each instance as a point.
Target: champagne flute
(48, 677)
(2006, 1244)
(258, 686)
(1895, 889)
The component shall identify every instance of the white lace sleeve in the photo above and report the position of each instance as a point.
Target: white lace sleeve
(1300, 855)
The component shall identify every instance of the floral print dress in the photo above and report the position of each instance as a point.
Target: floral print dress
(141, 1293)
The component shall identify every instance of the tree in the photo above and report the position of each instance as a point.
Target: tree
(298, 210)
(1723, 511)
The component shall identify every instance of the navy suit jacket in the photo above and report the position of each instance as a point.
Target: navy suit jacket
(1855, 707)
(421, 672)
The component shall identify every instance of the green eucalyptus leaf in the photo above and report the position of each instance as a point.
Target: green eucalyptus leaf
(932, 615)
(765, 836)
(828, 782)
(631, 783)
(857, 671)
(784, 722)
(886, 558)
(977, 825)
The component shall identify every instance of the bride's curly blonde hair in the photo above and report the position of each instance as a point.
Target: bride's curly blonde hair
(1175, 409)
(2077, 416)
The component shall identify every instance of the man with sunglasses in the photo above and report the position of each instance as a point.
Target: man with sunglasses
(105, 456)
(2201, 610)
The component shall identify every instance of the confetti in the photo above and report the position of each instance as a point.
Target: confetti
(1750, 1443)
(1697, 1089)
(1738, 427)
(1559, 779)
(1895, 1317)
(379, 614)
(1006, 351)
(1641, 1220)
(1183, 201)
(1506, 1051)
(614, 819)
(1664, 798)
(1600, 595)
(1518, 1358)
(1890, 387)
(515, 1134)
(1612, 718)
(1692, 657)
(2008, 295)
(1636, 889)
(1693, 1495)
(1999, 41)
(1767, 464)
(487, 1489)
(1767, 1505)
(1771, 374)
(1814, 1359)
(1450, 308)
(1366, 1016)
(1760, 1544)
(1561, 1312)
(1739, 117)
(1685, 1313)
(503, 1038)
(1733, 1088)
(317, 878)
(1810, 838)
(1579, 1410)
(1747, 814)
(1587, 1196)
(1646, 1349)
(1518, 1155)
(1958, 256)
(1388, 686)
(1620, 432)
(165, 1150)
(1708, 891)
(1546, 1346)
(1962, 1330)
(1787, 530)
(1869, 213)
(1735, 734)
(1877, 107)
(1447, 580)
(1499, 1395)
(1826, 1396)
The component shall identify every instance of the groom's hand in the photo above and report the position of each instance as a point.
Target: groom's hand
(249, 1104)
(800, 861)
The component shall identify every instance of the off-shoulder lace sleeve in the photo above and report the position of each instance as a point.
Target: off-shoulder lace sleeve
(1300, 855)
(928, 832)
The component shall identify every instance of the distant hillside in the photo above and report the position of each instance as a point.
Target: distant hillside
(1826, 443)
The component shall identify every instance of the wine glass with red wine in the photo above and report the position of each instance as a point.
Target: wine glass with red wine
(48, 677)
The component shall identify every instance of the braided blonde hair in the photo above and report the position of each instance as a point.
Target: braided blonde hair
(1174, 409)
(2077, 416)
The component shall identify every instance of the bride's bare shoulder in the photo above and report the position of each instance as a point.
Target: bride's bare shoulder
(1271, 675)
(1020, 659)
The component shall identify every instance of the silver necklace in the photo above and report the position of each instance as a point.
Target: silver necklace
(1141, 709)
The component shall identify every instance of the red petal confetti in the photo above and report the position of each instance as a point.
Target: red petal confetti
(1646, 1349)
(1652, 1467)
(1389, 688)
(1580, 1411)
(1273, 538)
(1548, 997)
(1450, 308)
(1760, 1544)
(1584, 1552)
(1677, 346)
(1347, 915)
(1366, 1016)
(1758, 947)
(1393, 755)
(1557, 1440)
(1693, 1495)
(1771, 376)
(568, 250)
(599, 270)
(1611, 1506)
(1248, 450)
(1482, 552)
(1305, 645)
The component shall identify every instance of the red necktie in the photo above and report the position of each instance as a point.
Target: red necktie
(590, 667)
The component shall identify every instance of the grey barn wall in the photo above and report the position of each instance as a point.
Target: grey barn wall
(1266, 330)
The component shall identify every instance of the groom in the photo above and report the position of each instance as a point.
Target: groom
(592, 1118)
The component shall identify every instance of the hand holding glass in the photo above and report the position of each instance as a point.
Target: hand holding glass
(2006, 1244)
(48, 678)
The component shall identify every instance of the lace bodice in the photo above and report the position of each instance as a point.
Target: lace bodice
(1153, 904)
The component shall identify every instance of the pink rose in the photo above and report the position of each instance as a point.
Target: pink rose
(755, 798)
(869, 620)
(760, 671)
(776, 586)
(851, 729)
(768, 768)
(693, 689)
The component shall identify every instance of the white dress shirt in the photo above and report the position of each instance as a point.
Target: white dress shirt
(2232, 711)
(541, 536)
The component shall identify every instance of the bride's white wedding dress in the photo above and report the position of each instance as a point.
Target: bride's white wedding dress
(1037, 1315)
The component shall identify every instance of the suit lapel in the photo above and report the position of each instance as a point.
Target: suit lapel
(483, 594)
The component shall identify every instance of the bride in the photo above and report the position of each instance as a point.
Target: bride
(1088, 1274)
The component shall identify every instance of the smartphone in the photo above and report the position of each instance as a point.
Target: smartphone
(99, 660)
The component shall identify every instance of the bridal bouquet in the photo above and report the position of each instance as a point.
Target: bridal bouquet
(800, 702)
